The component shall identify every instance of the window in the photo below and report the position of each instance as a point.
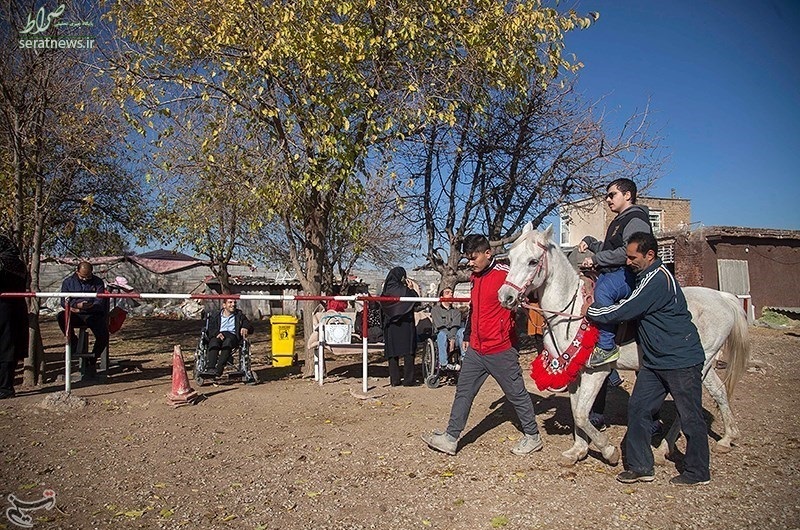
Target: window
(666, 251)
(656, 218)
(565, 218)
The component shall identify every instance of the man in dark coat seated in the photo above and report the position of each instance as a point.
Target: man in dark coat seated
(226, 330)
(13, 316)
(88, 312)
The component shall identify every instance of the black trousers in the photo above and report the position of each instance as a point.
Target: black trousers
(651, 388)
(97, 322)
(408, 370)
(7, 379)
(219, 351)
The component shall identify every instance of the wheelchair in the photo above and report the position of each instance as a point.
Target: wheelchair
(233, 369)
(432, 372)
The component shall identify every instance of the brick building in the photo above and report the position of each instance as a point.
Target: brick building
(592, 217)
(760, 265)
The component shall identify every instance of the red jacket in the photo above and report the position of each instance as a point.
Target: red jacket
(490, 326)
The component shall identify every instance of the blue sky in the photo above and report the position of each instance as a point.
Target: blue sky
(723, 79)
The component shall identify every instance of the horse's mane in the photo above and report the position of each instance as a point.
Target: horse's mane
(521, 239)
(525, 236)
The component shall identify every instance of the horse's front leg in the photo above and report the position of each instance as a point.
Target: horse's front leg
(582, 396)
(580, 447)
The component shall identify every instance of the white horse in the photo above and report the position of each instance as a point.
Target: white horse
(538, 264)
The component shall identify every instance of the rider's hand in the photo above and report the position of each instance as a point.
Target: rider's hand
(243, 332)
(587, 263)
(582, 246)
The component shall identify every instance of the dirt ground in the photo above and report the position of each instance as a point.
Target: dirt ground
(287, 453)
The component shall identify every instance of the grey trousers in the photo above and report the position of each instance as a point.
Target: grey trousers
(504, 368)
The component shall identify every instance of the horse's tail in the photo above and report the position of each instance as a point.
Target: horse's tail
(737, 345)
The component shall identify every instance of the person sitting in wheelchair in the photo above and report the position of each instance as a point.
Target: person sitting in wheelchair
(446, 321)
(225, 331)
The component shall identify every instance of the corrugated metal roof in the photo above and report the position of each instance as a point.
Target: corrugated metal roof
(257, 281)
(167, 254)
(793, 310)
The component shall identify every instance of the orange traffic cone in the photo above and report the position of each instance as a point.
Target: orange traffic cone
(182, 393)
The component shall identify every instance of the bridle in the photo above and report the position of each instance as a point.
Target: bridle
(541, 266)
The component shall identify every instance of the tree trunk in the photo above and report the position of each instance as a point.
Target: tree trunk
(19, 190)
(316, 227)
(224, 278)
(34, 363)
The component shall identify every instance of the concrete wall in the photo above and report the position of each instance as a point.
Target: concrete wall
(185, 281)
(586, 218)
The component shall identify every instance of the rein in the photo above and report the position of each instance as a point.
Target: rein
(571, 316)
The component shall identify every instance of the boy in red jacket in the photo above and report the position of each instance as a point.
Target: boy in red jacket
(490, 350)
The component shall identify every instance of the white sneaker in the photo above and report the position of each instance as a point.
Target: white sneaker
(529, 443)
(441, 442)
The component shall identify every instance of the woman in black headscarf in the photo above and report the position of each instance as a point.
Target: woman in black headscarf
(13, 316)
(399, 329)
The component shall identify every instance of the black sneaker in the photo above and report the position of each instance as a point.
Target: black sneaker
(683, 480)
(656, 428)
(600, 356)
(597, 421)
(629, 477)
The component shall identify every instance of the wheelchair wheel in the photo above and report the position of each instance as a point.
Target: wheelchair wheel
(430, 372)
(199, 362)
(432, 381)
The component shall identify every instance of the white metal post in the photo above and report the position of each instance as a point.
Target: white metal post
(67, 348)
(364, 364)
(320, 368)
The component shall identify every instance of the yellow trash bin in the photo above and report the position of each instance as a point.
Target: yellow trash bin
(283, 327)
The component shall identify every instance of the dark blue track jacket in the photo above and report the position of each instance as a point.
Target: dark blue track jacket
(665, 332)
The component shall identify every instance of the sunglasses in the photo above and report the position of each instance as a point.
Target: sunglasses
(610, 195)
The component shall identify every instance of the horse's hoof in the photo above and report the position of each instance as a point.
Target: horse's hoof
(613, 458)
(660, 454)
(721, 448)
(567, 461)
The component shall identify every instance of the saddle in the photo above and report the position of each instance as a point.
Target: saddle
(626, 331)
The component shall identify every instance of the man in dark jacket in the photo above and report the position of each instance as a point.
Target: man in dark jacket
(89, 312)
(490, 350)
(13, 315)
(226, 329)
(672, 361)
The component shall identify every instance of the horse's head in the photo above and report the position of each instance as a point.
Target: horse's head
(528, 265)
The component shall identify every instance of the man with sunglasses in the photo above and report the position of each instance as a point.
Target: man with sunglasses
(616, 281)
